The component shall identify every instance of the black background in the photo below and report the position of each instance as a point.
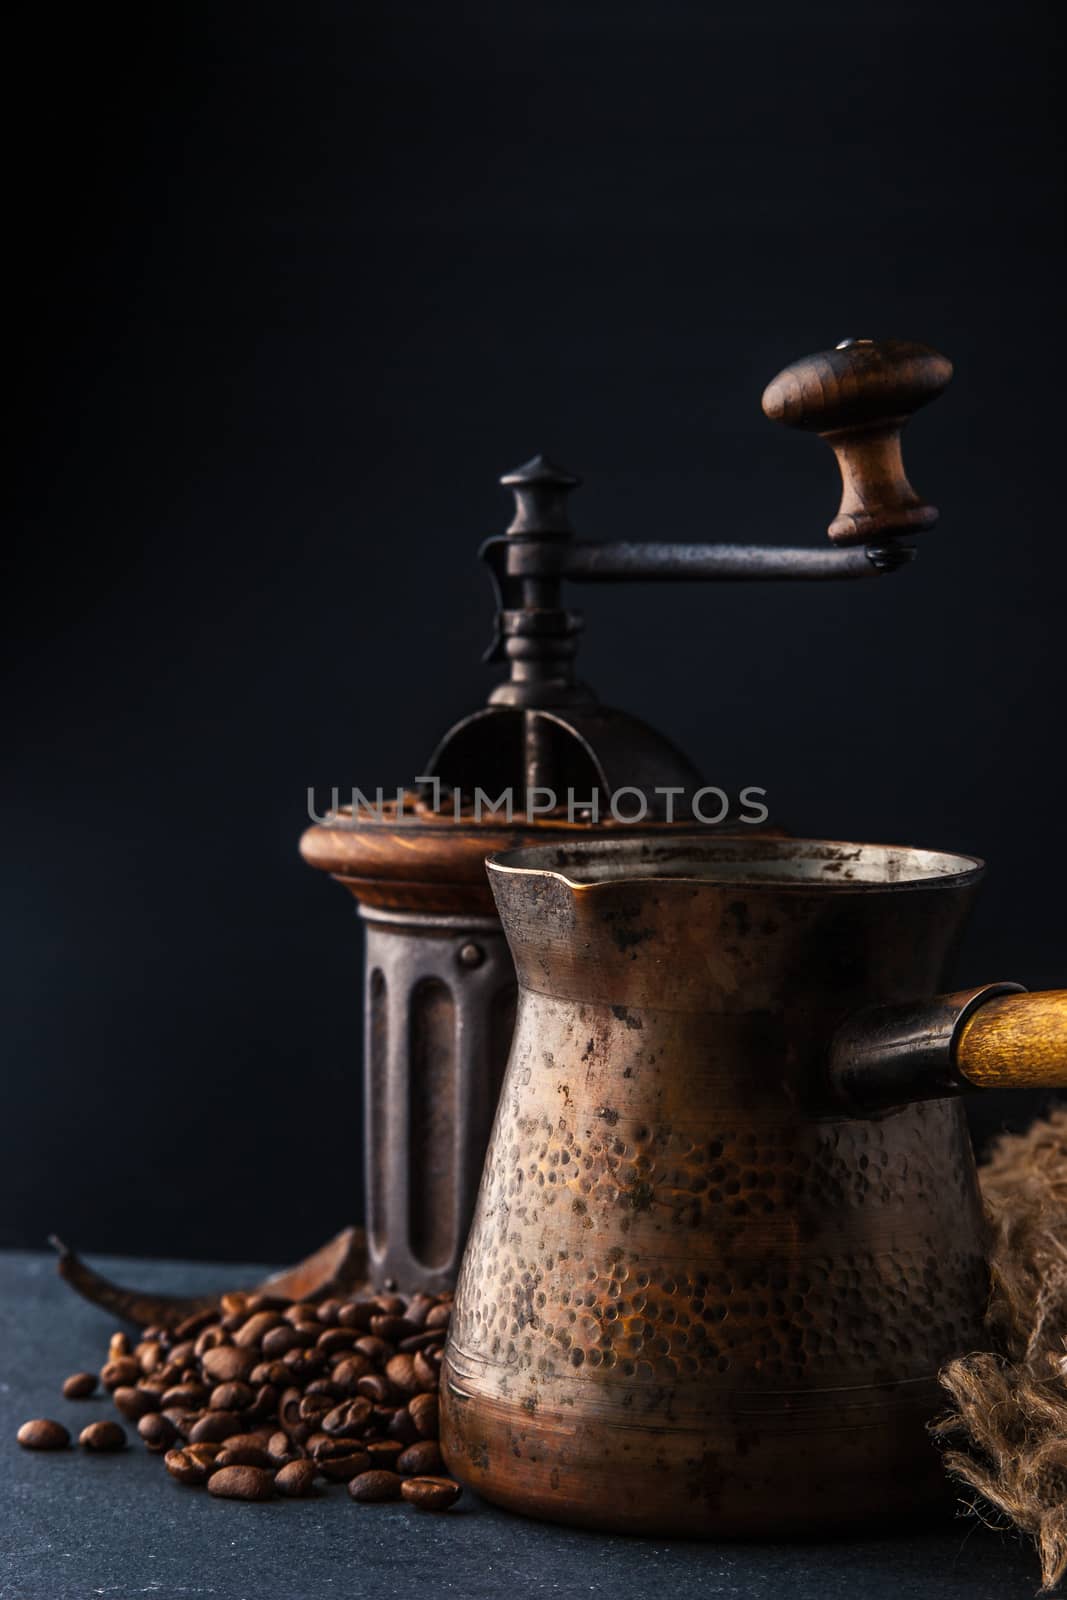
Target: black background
(297, 284)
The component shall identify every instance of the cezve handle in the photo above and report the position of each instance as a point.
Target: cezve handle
(1015, 1041)
(994, 1037)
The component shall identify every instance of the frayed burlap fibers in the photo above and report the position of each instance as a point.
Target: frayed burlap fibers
(1008, 1431)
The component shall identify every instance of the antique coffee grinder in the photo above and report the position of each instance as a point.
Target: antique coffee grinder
(439, 980)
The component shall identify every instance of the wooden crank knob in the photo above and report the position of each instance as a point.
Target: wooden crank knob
(858, 398)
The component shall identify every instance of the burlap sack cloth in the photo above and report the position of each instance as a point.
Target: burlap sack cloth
(1007, 1433)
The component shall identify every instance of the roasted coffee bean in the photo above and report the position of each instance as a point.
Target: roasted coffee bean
(304, 1367)
(227, 1364)
(307, 1335)
(401, 1426)
(135, 1403)
(190, 1395)
(418, 1309)
(264, 1402)
(194, 1464)
(439, 1317)
(241, 1483)
(348, 1420)
(157, 1431)
(300, 1311)
(327, 1311)
(333, 1339)
(257, 1440)
(275, 1372)
(400, 1370)
(349, 1368)
(248, 1455)
(194, 1323)
(123, 1372)
(234, 1303)
(392, 1329)
(421, 1460)
(79, 1386)
(304, 1364)
(149, 1356)
(210, 1339)
(281, 1339)
(231, 1397)
(289, 1407)
(422, 1409)
(375, 1350)
(215, 1426)
(181, 1418)
(374, 1486)
(357, 1314)
(118, 1346)
(263, 1300)
(384, 1452)
(182, 1466)
(321, 1447)
(377, 1389)
(343, 1468)
(390, 1305)
(430, 1494)
(295, 1479)
(426, 1375)
(325, 1386)
(43, 1434)
(313, 1407)
(181, 1354)
(251, 1333)
(429, 1339)
(102, 1436)
(281, 1449)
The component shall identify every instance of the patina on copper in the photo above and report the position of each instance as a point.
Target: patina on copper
(701, 1297)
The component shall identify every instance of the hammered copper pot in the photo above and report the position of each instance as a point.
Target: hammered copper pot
(712, 1274)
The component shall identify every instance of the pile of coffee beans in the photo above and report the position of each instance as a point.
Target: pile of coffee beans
(265, 1397)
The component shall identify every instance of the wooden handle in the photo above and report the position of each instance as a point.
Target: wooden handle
(1018, 1041)
(858, 398)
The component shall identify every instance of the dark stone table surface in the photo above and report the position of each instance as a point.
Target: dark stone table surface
(118, 1527)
